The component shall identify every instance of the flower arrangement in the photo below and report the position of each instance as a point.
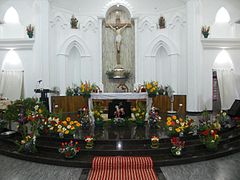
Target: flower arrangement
(224, 120)
(50, 125)
(208, 133)
(154, 142)
(139, 113)
(69, 149)
(84, 119)
(152, 88)
(153, 118)
(27, 144)
(89, 142)
(97, 114)
(177, 146)
(67, 127)
(176, 126)
(30, 30)
(205, 31)
(86, 88)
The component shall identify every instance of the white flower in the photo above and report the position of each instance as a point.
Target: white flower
(51, 128)
(177, 121)
(69, 126)
(170, 128)
(36, 107)
(59, 126)
(64, 129)
(178, 152)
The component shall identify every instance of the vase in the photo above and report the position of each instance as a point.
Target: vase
(30, 34)
(89, 145)
(205, 34)
(152, 95)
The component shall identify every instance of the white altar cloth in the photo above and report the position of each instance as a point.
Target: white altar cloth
(127, 96)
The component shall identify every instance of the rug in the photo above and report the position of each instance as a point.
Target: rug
(122, 168)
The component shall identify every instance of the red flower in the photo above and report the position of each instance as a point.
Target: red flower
(205, 133)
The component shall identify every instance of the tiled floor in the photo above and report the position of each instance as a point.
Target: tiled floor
(226, 168)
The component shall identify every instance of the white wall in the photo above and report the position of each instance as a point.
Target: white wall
(181, 40)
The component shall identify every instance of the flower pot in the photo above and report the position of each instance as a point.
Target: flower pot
(205, 34)
(152, 95)
(211, 146)
(30, 34)
(176, 151)
(69, 155)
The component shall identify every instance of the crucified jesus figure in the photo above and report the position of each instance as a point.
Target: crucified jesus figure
(118, 37)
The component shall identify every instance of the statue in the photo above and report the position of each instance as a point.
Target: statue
(74, 22)
(162, 22)
(118, 28)
(118, 38)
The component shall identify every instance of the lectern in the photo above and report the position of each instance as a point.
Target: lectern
(43, 97)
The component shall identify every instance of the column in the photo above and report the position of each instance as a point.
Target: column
(194, 55)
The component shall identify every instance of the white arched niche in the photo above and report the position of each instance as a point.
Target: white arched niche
(11, 85)
(161, 60)
(12, 27)
(163, 66)
(73, 67)
(226, 79)
(73, 63)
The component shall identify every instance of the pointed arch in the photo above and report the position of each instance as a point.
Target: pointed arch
(12, 62)
(222, 16)
(74, 41)
(146, 23)
(162, 41)
(11, 16)
(223, 61)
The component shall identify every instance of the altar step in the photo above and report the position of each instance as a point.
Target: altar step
(194, 151)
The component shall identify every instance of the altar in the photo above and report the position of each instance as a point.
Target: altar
(120, 96)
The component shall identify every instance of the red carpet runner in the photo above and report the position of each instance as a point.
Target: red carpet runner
(122, 168)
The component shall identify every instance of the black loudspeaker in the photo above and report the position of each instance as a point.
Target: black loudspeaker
(235, 108)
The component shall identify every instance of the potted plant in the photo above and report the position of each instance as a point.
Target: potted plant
(30, 30)
(154, 142)
(152, 88)
(89, 142)
(205, 31)
(69, 150)
(139, 113)
(177, 147)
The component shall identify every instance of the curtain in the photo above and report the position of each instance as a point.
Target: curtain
(227, 87)
(11, 84)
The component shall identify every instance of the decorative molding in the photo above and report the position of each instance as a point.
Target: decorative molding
(117, 2)
(146, 23)
(221, 43)
(74, 41)
(58, 17)
(90, 24)
(16, 44)
(175, 19)
(162, 41)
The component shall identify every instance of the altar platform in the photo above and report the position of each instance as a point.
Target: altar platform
(121, 141)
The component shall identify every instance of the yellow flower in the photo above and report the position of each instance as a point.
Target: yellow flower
(64, 123)
(67, 132)
(149, 86)
(174, 117)
(169, 118)
(178, 130)
(75, 122)
(180, 119)
(72, 128)
(68, 119)
(169, 123)
(40, 111)
(78, 124)
(71, 122)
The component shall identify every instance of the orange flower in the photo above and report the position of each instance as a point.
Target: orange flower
(68, 119)
(174, 117)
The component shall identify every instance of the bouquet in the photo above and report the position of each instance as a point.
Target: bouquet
(208, 134)
(139, 113)
(176, 126)
(152, 88)
(177, 147)
(89, 142)
(154, 142)
(67, 127)
(30, 29)
(27, 144)
(84, 119)
(205, 31)
(86, 88)
(224, 120)
(97, 114)
(153, 118)
(69, 150)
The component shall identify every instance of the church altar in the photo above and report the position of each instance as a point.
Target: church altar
(120, 96)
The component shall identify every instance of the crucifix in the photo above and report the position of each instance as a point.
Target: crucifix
(118, 27)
